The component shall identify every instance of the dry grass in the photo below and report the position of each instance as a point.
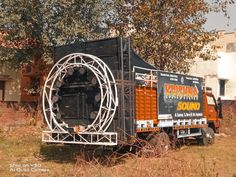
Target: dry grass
(21, 147)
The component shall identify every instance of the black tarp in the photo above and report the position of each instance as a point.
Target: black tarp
(106, 49)
(120, 58)
(136, 60)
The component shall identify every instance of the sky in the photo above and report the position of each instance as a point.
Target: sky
(219, 22)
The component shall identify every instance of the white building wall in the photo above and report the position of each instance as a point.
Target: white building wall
(208, 71)
(227, 70)
(223, 68)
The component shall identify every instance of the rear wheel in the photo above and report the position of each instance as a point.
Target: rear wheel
(160, 141)
(156, 145)
(208, 136)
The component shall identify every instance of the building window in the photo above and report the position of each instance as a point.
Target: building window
(2, 88)
(222, 83)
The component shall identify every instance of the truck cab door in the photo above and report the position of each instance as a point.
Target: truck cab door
(210, 112)
(211, 108)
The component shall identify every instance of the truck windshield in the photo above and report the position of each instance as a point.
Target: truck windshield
(210, 100)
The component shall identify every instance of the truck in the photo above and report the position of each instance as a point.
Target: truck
(101, 93)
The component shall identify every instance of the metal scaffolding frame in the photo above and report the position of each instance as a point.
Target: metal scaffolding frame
(95, 133)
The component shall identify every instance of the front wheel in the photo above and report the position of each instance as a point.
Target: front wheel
(208, 136)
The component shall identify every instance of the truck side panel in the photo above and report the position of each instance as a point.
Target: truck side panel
(146, 103)
(180, 96)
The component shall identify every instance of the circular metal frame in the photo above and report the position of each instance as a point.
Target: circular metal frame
(107, 85)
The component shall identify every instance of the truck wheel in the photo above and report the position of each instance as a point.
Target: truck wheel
(208, 136)
(161, 142)
(155, 145)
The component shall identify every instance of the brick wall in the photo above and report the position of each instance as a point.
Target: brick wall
(229, 106)
(14, 113)
(228, 123)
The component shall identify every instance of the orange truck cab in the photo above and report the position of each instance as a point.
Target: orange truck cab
(212, 109)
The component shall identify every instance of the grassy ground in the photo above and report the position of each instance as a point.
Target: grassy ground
(23, 155)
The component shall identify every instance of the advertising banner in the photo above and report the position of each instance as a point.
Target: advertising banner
(180, 96)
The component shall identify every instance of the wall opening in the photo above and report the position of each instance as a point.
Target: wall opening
(222, 83)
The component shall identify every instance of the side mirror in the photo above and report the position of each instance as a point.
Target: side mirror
(219, 107)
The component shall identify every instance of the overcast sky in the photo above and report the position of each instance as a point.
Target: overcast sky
(219, 22)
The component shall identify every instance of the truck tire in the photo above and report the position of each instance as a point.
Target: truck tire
(161, 142)
(208, 136)
(155, 145)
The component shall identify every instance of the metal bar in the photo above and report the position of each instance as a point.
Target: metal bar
(146, 69)
(188, 135)
(122, 86)
(95, 138)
